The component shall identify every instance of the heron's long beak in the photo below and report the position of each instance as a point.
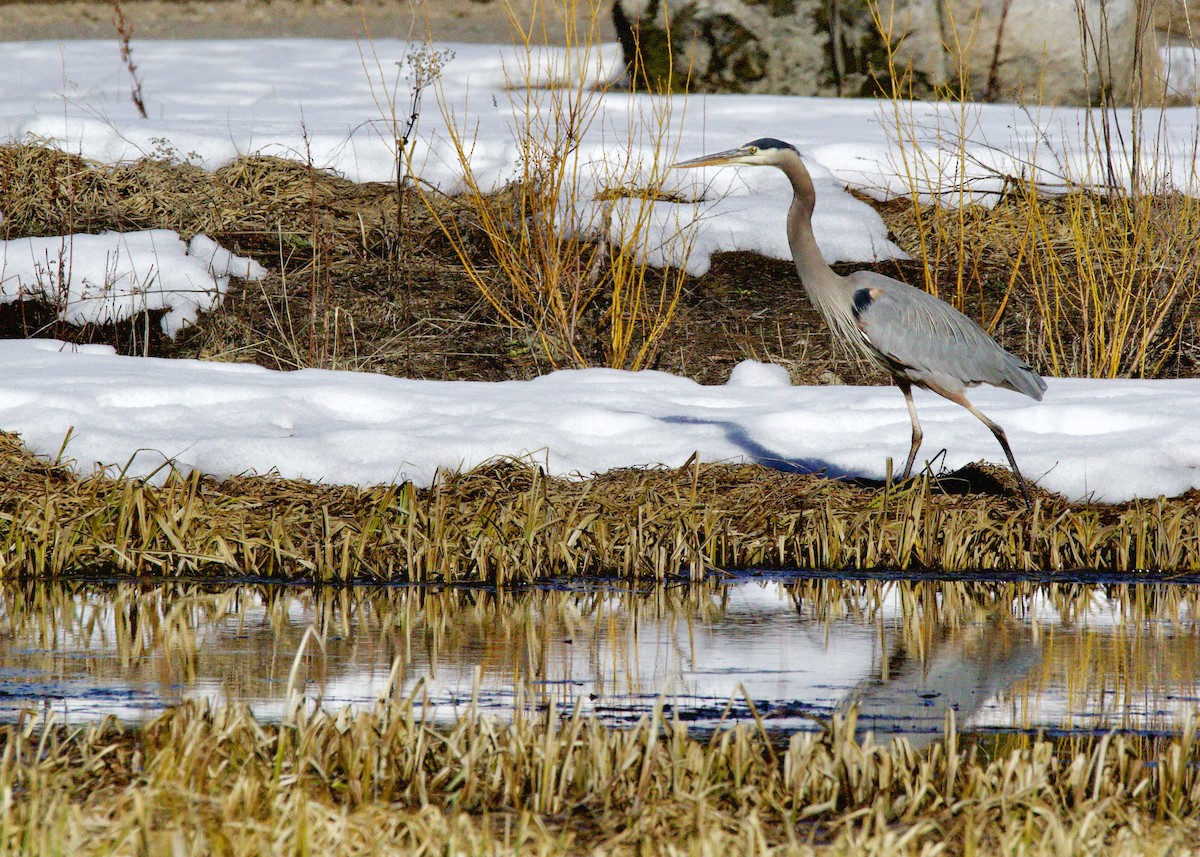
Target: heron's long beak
(714, 160)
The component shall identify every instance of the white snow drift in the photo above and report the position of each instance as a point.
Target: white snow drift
(210, 102)
(1111, 440)
(115, 275)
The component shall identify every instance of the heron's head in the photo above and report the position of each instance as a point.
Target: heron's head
(764, 152)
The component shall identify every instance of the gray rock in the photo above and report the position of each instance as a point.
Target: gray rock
(1178, 19)
(779, 46)
(1020, 50)
(1026, 50)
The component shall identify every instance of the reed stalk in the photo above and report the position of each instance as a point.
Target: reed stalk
(508, 522)
(389, 780)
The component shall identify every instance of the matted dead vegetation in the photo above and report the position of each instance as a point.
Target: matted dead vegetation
(388, 781)
(1083, 284)
(346, 288)
(362, 277)
(507, 522)
(255, 201)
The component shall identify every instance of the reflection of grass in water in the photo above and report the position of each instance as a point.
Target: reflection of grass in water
(159, 632)
(251, 634)
(1158, 642)
(1114, 666)
(384, 781)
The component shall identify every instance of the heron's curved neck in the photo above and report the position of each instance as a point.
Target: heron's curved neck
(828, 292)
(810, 264)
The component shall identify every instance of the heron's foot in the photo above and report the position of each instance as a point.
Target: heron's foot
(978, 478)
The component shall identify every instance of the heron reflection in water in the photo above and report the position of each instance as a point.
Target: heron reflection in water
(957, 669)
(917, 338)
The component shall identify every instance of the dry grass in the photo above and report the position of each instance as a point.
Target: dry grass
(568, 238)
(251, 201)
(507, 522)
(1123, 288)
(387, 781)
(335, 296)
(1085, 285)
(401, 301)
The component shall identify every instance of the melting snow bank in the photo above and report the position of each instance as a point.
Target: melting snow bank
(115, 275)
(324, 102)
(1111, 440)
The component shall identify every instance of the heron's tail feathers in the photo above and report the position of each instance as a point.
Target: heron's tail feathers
(1019, 376)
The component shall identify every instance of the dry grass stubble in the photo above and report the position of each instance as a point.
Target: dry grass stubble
(507, 522)
(387, 781)
(337, 295)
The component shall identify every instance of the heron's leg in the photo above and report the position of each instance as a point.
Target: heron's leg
(959, 398)
(906, 388)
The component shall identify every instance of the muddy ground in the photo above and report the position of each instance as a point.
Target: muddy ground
(443, 20)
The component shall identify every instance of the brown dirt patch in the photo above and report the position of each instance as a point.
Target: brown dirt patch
(350, 289)
(444, 20)
(361, 277)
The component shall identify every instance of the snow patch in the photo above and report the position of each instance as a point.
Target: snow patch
(751, 373)
(110, 277)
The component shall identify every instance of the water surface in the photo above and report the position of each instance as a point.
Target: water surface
(1004, 656)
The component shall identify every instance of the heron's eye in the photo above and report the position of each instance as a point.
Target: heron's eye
(753, 150)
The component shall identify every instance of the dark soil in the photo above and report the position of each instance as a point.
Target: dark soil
(348, 289)
(361, 277)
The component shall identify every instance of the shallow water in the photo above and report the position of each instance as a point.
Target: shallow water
(1006, 656)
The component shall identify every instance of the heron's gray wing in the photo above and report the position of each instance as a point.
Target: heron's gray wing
(928, 341)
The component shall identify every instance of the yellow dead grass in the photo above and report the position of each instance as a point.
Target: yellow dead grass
(386, 781)
(507, 522)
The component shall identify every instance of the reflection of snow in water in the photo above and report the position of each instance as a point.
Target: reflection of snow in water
(614, 654)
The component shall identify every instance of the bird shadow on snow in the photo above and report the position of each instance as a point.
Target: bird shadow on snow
(766, 457)
(970, 479)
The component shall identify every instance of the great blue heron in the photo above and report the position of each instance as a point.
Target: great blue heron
(917, 338)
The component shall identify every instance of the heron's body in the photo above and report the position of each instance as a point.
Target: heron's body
(955, 352)
(917, 338)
